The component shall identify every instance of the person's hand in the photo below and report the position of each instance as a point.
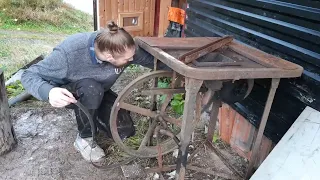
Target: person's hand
(60, 97)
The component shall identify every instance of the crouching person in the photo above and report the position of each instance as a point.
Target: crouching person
(83, 68)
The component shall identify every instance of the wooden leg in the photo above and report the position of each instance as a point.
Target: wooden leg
(255, 150)
(192, 87)
(213, 118)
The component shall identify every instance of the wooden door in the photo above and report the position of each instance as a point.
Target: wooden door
(136, 16)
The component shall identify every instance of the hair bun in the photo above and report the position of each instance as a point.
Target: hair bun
(113, 27)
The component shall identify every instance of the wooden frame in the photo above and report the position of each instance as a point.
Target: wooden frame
(139, 27)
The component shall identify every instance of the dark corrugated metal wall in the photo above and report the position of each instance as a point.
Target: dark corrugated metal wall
(289, 29)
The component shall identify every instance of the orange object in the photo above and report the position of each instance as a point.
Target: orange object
(176, 15)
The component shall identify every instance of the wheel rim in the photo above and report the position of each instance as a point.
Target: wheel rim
(144, 151)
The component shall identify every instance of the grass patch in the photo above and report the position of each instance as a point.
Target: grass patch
(14, 89)
(57, 18)
(15, 53)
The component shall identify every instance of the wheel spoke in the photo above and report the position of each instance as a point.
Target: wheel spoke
(159, 91)
(166, 103)
(136, 109)
(147, 136)
(171, 120)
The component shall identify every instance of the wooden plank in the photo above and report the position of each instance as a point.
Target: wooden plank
(120, 5)
(142, 9)
(163, 21)
(114, 9)
(137, 4)
(146, 18)
(131, 6)
(152, 16)
(108, 10)
(297, 155)
(242, 136)
(126, 6)
(102, 14)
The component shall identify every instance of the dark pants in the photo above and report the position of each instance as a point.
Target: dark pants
(99, 102)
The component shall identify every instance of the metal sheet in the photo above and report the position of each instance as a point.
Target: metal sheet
(283, 28)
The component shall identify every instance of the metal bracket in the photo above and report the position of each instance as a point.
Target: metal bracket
(201, 51)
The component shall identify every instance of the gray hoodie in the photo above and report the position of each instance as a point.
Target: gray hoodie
(71, 61)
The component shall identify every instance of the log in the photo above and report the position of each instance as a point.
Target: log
(7, 136)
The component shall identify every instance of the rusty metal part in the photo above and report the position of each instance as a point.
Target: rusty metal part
(198, 109)
(159, 158)
(158, 130)
(257, 64)
(168, 91)
(149, 133)
(155, 84)
(192, 88)
(159, 91)
(170, 134)
(153, 101)
(201, 51)
(171, 120)
(255, 150)
(167, 132)
(136, 109)
(222, 158)
(214, 86)
(227, 73)
(262, 58)
(216, 104)
(178, 43)
(250, 87)
(216, 64)
(208, 171)
(146, 112)
(166, 103)
(147, 151)
(162, 121)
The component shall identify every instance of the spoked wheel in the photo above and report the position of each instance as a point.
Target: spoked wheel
(148, 98)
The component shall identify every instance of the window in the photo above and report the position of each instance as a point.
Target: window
(131, 21)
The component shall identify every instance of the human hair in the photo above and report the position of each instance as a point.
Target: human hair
(114, 39)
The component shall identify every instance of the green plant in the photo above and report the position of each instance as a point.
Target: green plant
(14, 89)
(133, 68)
(215, 137)
(177, 103)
